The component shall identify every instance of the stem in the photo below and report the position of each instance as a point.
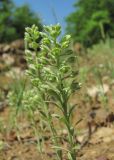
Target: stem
(54, 135)
(104, 97)
(70, 136)
(37, 133)
(52, 129)
(102, 31)
(70, 129)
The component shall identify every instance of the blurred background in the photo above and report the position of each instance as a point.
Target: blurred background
(87, 21)
(91, 25)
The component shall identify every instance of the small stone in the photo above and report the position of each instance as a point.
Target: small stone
(6, 48)
(96, 90)
(8, 59)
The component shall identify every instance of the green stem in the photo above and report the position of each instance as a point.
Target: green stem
(71, 136)
(102, 31)
(51, 126)
(53, 131)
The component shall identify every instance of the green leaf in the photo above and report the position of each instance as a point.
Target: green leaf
(60, 148)
(71, 109)
(43, 113)
(56, 115)
(75, 86)
(55, 95)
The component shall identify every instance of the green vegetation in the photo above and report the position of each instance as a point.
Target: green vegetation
(52, 74)
(53, 82)
(92, 21)
(47, 104)
(13, 20)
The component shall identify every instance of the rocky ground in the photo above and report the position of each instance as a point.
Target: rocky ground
(95, 109)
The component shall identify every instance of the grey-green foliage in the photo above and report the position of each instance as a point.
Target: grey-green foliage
(52, 74)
